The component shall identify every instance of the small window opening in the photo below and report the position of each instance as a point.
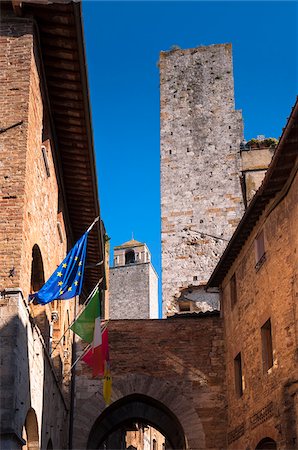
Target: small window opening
(195, 278)
(184, 306)
(233, 290)
(60, 232)
(129, 257)
(267, 349)
(238, 375)
(45, 160)
(37, 272)
(260, 249)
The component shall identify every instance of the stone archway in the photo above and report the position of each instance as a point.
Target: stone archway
(165, 393)
(141, 408)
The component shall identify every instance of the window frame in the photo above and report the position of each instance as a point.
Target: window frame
(233, 290)
(238, 375)
(267, 346)
(260, 249)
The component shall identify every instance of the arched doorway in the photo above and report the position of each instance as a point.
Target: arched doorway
(37, 272)
(136, 408)
(30, 431)
(37, 281)
(266, 444)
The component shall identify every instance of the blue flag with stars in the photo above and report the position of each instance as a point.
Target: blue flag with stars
(67, 280)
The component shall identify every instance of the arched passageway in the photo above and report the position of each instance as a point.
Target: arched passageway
(266, 444)
(138, 408)
(30, 431)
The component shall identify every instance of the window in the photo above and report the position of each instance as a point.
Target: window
(267, 350)
(154, 446)
(37, 273)
(233, 290)
(260, 249)
(60, 232)
(238, 375)
(184, 306)
(129, 257)
(45, 160)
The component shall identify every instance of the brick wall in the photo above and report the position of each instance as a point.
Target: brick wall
(269, 401)
(201, 199)
(29, 211)
(178, 362)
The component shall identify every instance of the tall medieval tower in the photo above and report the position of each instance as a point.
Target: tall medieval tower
(201, 198)
(133, 285)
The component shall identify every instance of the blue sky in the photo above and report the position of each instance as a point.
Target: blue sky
(123, 41)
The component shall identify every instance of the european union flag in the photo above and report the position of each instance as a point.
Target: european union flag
(67, 280)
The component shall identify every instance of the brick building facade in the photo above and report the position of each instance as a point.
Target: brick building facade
(47, 166)
(257, 275)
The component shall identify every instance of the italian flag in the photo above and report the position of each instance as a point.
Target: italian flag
(98, 353)
(88, 327)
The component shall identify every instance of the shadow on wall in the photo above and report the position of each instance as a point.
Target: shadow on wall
(18, 420)
(22, 364)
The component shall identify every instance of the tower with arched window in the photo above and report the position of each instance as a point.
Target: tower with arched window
(133, 283)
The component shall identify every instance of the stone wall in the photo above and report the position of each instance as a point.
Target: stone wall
(28, 380)
(177, 362)
(269, 404)
(201, 198)
(29, 214)
(133, 292)
(254, 164)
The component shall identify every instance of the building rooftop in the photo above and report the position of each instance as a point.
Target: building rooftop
(131, 243)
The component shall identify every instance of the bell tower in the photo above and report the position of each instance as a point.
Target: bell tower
(133, 283)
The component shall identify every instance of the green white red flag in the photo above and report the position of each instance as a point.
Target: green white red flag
(85, 323)
(99, 351)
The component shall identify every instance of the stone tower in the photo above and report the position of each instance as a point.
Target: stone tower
(133, 283)
(201, 198)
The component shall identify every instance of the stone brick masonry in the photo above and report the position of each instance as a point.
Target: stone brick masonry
(201, 199)
(133, 292)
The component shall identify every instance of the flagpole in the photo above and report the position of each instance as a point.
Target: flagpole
(82, 309)
(78, 358)
(92, 224)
